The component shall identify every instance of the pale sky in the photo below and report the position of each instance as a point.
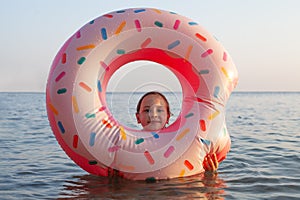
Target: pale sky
(262, 37)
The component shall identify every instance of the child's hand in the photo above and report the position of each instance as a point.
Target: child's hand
(210, 163)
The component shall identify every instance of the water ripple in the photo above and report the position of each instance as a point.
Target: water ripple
(263, 162)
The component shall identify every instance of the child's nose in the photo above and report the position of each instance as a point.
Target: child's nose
(153, 113)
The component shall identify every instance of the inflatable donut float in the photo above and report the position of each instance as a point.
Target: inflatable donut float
(101, 145)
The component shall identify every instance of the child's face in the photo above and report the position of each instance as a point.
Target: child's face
(153, 114)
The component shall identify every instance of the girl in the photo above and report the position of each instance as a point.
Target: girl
(153, 113)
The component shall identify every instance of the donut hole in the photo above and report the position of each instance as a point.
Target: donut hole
(131, 81)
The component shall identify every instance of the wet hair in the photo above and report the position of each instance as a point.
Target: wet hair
(138, 107)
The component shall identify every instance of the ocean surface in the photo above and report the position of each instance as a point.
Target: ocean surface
(264, 161)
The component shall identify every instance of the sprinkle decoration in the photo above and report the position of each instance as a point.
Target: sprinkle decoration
(202, 125)
(193, 23)
(108, 16)
(139, 141)
(146, 43)
(189, 115)
(90, 115)
(122, 133)
(224, 56)
(103, 33)
(85, 86)
(139, 10)
(121, 51)
(176, 24)
(99, 87)
(113, 149)
(213, 115)
(207, 53)
(216, 91)
(121, 11)
(53, 109)
(188, 165)
(182, 134)
(61, 127)
(159, 24)
(169, 151)
(173, 44)
(225, 72)
(182, 172)
(138, 25)
(62, 91)
(120, 27)
(102, 108)
(92, 139)
(85, 47)
(78, 34)
(149, 157)
(204, 71)
(75, 104)
(155, 135)
(81, 60)
(75, 141)
(188, 52)
(60, 76)
(201, 37)
(104, 65)
(64, 58)
(157, 11)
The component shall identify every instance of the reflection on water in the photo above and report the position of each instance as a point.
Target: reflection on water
(207, 186)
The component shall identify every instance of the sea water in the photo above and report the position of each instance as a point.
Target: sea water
(264, 161)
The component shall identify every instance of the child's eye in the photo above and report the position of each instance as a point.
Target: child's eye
(146, 110)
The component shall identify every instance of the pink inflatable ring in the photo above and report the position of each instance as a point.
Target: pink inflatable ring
(76, 95)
